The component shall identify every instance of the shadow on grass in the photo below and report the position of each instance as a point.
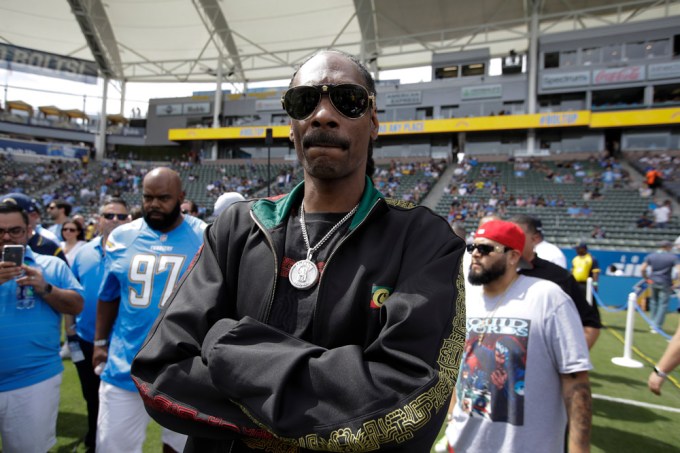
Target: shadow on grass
(611, 439)
(610, 411)
(71, 429)
(622, 329)
(600, 380)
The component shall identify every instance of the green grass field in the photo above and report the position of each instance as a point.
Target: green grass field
(617, 427)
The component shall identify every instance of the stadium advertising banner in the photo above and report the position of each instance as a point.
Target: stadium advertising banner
(579, 118)
(619, 75)
(663, 70)
(403, 98)
(227, 133)
(264, 105)
(486, 123)
(481, 92)
(47, 64)
(635, 118)
(565, 80)
(42, 149)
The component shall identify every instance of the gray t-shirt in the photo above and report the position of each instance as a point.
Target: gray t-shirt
(509, 396)
(662, 266)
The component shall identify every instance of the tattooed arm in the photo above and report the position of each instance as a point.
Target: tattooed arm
(578, 402)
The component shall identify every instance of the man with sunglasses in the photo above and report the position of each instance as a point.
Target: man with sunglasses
(188, 207)
(59, 210)
(33, 297)
(525, 361)
(326, 319)
(144, 261)
(41, 240)
(88, 267)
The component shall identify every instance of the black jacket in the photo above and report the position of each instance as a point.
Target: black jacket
(378, 374)
(589, 314)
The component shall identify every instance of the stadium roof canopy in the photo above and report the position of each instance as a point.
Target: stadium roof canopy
(256, 40)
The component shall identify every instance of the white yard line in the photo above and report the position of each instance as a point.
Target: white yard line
(636, 403)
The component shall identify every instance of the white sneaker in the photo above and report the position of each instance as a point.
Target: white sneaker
(442, 446)
(65, 352)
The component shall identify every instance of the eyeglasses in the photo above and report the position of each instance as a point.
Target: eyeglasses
(185, 211)
(111, 216)
(351, 100)
(485, 249)
(72, 230)
(49, 208)
(15, 232)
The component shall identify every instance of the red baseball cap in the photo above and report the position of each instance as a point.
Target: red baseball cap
(505, 233)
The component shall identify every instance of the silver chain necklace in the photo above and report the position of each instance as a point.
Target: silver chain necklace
(304, 274)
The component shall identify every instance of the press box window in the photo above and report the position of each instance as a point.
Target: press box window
(611, 53)
(591, 56)
(657, 48)
(475, 69)
(447, 72)
(568, 58)
(424, 113)
(635, 50)
(551, 60)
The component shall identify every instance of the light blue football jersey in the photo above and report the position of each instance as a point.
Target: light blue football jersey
(142, 266)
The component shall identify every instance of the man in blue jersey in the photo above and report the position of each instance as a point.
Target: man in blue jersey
(88, 267)
(144, 260)
(32, 298)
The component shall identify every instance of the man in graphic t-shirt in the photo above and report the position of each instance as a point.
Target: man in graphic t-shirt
(525, 366)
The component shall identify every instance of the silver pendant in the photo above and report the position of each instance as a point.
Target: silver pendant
(303, 274)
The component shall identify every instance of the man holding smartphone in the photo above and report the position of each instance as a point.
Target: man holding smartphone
(32, 298)
(40, 239)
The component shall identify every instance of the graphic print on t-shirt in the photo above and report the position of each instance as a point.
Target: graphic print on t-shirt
(491, 379)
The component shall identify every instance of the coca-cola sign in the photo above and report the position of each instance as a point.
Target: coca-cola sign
(618, 75)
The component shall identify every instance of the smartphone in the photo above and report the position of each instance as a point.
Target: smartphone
(14, 254)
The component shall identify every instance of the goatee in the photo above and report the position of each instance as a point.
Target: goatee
(164, 222)
(488, 275)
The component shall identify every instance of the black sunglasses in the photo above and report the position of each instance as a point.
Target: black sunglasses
(352, 101)
(485, 249)
(109, 216)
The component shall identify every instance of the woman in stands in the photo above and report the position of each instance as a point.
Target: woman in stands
(74, 238)
(73, 233)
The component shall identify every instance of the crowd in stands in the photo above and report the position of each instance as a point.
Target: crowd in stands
(476, 189)
(408, 181)
(664, 167)
(610, 174)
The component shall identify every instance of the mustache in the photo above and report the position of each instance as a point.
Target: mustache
(323, 138)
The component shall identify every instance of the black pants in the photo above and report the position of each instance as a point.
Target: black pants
(89, 384)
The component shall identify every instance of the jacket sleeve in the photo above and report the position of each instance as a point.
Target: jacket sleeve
(353, 397)
(168, 371)
(589, 314)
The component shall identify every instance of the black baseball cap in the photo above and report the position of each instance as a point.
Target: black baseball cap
(25, 202)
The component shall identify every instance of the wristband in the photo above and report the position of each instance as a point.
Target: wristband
(101, 342)
(660, 373)
(47, 291)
